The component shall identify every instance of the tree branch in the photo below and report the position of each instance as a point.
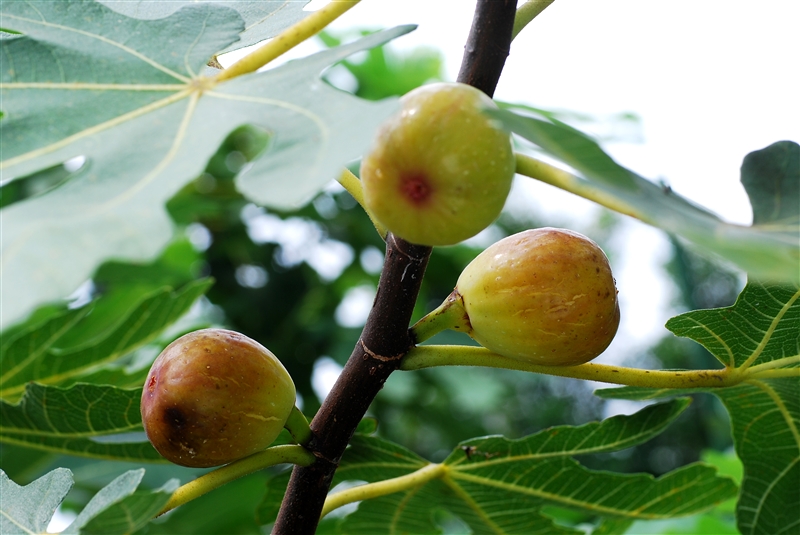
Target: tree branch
(385, 338)
(488, 44)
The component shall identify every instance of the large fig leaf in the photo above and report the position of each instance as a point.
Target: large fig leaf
(130, 96)
(497, 485)
(768, 250)
(759, 338)
(262, 18)
(70, 420)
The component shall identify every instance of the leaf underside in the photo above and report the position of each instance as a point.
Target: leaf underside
(133, 98)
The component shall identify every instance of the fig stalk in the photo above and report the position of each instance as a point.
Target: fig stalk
(297, 425)
(449, 315)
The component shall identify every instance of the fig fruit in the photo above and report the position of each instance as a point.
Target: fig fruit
(440, 169)
(214, 396)
(546, 296)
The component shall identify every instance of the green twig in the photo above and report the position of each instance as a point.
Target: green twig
(382, 488)
(206, 483)
(288, 39)
(526, 13)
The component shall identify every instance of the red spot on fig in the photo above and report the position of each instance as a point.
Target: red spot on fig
(416, 188)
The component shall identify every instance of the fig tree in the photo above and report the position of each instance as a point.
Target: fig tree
(440, 169)
(214, 396)
(546, 296)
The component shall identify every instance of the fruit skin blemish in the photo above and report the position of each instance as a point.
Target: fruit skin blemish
(214, 396)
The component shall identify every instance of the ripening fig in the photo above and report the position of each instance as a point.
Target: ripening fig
(214, 396)
(440, 169)
(546, 296)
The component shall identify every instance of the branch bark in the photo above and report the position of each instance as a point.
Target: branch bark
(385, 338)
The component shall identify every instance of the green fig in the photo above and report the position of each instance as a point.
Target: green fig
(214, 396)
(546, 296)
(440, 169)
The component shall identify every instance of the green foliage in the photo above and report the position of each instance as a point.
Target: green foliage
(757, 335)
(89, 84)
(487, 482)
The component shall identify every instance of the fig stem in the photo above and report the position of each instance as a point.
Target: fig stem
(297, 425)
(204, 484)
(352, 184)
(538, 170)
(287, 39)
(382, 488)
(526, 13)
(449, 315)
(434, 355)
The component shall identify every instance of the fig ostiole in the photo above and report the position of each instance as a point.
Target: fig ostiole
(440, 169)
(546, 296)
(214, 396)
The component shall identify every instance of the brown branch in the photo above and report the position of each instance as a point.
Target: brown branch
(488, 44)
(385, 339)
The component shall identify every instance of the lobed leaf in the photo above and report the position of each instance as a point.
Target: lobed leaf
(130, 97)
(762, 326)
(29, 509)
(767, 250)
(69, 420)
(262, 20)
(759, 337)
(765, 417)
(497, 485)
(36, 353)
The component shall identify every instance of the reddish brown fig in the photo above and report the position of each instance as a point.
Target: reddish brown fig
(545, 295)
(214, 396)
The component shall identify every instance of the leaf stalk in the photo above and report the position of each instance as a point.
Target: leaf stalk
(287, 39)
(382, 488)
(526, 13)
(258, 461)
(432, 355)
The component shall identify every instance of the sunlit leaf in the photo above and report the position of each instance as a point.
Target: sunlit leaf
(130, 96)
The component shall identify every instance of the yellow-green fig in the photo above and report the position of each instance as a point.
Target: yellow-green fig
(214, 396)
(546, 296)
(440, 169)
